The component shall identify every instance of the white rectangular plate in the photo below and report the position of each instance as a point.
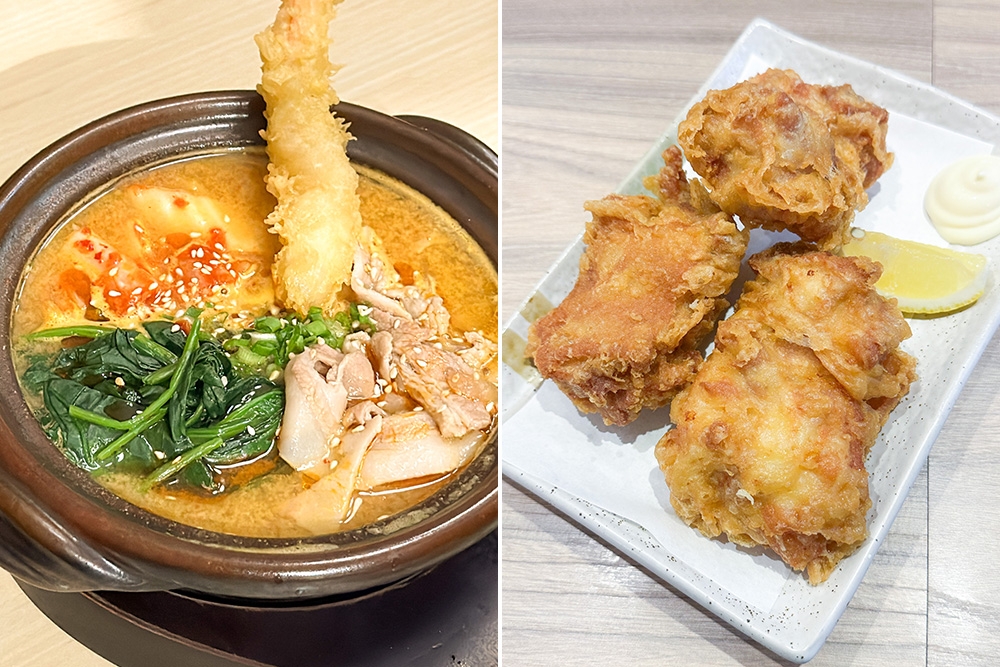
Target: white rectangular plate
(607, 478)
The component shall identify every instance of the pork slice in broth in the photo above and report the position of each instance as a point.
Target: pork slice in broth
(325, 505)
(410, 447)
(314, 407)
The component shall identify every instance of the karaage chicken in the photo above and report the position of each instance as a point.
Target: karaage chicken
(783, 154)
(649, 291)
(771, 438)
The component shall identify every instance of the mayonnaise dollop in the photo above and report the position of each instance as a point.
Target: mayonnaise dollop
(963, 200)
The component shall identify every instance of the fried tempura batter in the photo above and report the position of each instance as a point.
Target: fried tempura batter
(783, 154)
(649, 291)
(318, 216)
(771, 438)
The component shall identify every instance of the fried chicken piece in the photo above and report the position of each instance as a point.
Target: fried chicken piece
(649, 292)
(771, 438)
(783, 154)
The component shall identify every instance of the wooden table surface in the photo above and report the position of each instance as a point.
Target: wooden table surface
(64, 64)
(587, 88)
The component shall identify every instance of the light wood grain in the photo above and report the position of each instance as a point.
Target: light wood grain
(64, 64)
(587, 88)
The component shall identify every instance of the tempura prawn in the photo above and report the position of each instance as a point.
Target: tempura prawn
(318, 216)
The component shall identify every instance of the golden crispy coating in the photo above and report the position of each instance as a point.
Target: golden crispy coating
(771, 438)
(318, 212)
(783, 154)
(649, 291)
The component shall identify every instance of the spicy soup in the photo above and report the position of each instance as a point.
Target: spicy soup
(167, 214)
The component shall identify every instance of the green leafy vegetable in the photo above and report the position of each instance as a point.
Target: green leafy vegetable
(167, 404)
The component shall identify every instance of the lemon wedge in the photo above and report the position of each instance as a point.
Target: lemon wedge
(924, 279)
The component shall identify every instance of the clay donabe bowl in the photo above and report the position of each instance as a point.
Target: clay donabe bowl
(61, 531)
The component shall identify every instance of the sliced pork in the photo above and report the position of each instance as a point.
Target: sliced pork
(458, 397)
(407, 401)
(410, 447)
(313, 408)
(324, 506)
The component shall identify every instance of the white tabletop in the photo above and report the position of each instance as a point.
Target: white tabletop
(587, 88)
(64, 64)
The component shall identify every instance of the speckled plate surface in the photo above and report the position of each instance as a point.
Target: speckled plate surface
(607, 478)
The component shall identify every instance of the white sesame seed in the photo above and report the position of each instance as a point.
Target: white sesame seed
(421, 363)
(251, 430)
(113, 272)
(114, 292)
(175, 328)
(195, 235)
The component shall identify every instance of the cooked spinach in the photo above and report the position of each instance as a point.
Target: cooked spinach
(162, 402)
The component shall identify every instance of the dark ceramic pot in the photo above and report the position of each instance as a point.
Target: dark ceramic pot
(61, 531)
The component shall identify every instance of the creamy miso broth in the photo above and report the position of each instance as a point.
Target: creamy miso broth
(170, 217)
